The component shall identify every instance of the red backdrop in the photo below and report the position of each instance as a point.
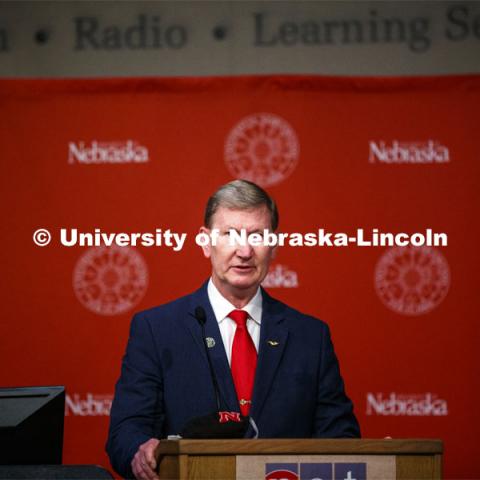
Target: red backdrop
(399, 155)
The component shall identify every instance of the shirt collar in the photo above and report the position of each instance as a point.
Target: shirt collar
(222, 307)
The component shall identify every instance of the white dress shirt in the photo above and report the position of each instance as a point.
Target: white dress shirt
(222, 307)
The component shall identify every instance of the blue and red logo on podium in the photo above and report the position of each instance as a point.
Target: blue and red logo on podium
(277, 471)
(316, 471)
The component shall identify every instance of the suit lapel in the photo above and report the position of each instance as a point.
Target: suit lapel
(273, 340)
(218, 356)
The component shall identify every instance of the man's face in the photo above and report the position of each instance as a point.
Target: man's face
(238, 270)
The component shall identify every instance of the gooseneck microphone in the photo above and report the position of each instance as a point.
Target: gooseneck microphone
(201, 317)
(219, 424)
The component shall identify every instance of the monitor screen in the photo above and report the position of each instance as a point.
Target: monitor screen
(31, 425)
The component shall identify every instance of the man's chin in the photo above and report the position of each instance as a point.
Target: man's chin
(244, 283)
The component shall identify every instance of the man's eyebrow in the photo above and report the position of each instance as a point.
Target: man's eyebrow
(257, 230)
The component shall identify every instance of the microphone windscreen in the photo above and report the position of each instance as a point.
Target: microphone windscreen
(200, 315)
(210, 426)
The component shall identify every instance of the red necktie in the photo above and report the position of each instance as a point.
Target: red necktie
(244, 361)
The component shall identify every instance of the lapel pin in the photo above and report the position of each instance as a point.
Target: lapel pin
(210, 342)
(273, 343)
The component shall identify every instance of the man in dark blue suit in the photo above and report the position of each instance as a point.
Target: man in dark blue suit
(271, 362)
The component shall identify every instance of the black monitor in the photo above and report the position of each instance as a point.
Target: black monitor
(31, 425)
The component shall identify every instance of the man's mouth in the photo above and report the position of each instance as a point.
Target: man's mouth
(243, 268)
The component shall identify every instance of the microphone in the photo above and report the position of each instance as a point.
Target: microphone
(201, 317)
(219, 424)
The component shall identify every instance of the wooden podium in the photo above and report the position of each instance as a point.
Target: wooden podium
(252, 459)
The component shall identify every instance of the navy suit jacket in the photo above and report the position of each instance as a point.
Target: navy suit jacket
(165, 378)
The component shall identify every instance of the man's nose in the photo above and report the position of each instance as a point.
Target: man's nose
(244, 251)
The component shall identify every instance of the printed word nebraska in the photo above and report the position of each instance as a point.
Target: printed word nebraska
(330, 239)
(160, 238)
(107, 152)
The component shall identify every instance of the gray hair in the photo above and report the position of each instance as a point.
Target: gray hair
(240, 195)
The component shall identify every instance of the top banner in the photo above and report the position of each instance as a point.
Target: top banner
(194, 38)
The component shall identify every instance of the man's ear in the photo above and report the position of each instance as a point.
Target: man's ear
(274, 252)
(207, 249)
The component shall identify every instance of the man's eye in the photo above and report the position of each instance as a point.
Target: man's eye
(257, 235)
